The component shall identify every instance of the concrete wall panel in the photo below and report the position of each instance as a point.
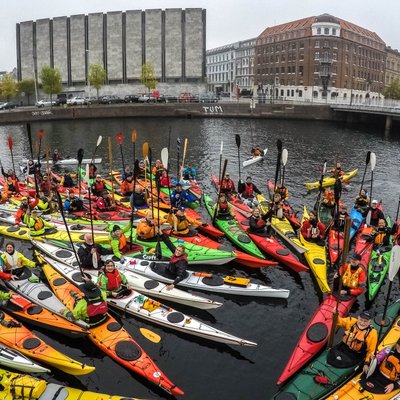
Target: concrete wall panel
(26, 43)
(173, 43)
(96, 39)
(194, 42)
(77, 42)
(60, 54)
(153, 40)
(114, 46)
(43, 43)
(134, 48)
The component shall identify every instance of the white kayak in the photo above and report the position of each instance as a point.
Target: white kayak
(215, 283)
(139, 305)
(14, 359)
(137, 282)
(66, 161)
(253, 160)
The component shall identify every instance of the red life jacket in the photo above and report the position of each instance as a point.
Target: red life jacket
(96, 306)
(248, 190)
(114, 280)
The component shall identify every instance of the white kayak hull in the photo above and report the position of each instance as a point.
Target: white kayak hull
(66, 161)
(253, 160)
(14, 359)
(137, 282)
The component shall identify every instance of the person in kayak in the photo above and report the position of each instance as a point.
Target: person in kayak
(127, 185)
(91, 308)
(111, 281)
(339, 221)
(329, 199)
(67, 181)
(147, 228)
(373, 214)
(44, 202)
(56, 156)
(105, 202)
(283, 192)
(181, 198)
(181, 223)
(157, 170)
(224, 208)
(92, 171)
(118, 240)
(381, 234)
(32, 168)
(353, 276)
(259, 225)
(46, 186)
(247, 192)
(386, 376)
(98, 186)
(165, 181)
(189, 173)
(177, 266)
(73, 203)
(8, 323)
(23, 207)
(337, 171)
(358, 343)
(37, 225)
(10, 187)
(362, 201)
(256, 152)
(275, 207)
(12, 260)
(90, 253)
(138, 199)
(313, 230)
(227, 185)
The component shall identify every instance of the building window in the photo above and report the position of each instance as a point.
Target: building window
(334, 55)
(334, 31)
(318, 31)
(301, 57)
(326, 31)
(316, 55)
(317, 44)
(301, 45)
(300, 93)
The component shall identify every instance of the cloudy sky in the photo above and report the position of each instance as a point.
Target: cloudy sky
(227, 20)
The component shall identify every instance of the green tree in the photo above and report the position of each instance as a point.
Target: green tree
(393, 90)
(147, 77)
(8, 87)
(97, 76)
(27, 86)
(51, 80)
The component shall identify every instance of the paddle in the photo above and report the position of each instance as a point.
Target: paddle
(164, 160)
(284, 161)
(183, 158)
(278, 162)
(134, 184)
(145, 152)
(153, 337)
(133, 137)
(394, 266)
(398, 209)
(120, 139)
(367, 160)
(40, 136)
(317, 202)
(373, 163)
(28, 129)
(99, 139)
(178, 149)
(220, 162)
(238, 141)
(80, 158)
(219, 193)
(110, 160)
(10, 146)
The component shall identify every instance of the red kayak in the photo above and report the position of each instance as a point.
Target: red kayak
(316, 334)
(242, 258)
(335, 240)
(271, 246)
(363, 245)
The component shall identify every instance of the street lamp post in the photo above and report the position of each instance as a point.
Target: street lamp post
(87, 70)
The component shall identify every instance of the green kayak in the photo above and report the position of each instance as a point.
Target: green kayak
(233, 231)
(325, 214)
(303, 385)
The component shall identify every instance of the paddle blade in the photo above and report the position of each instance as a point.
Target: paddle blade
(158, 251)
(284, 156)
(372, 367)
(40, 134)
(145, 149)
(119, 138)
(152, 336)
(373, 161)
(164, 157)
(222, 146)
(87, 179)
(324, 168)
(10, 142)
(238, 140)
(367, 160)
(394, 262)
(80, 156)
(100, 138)
(134, 136)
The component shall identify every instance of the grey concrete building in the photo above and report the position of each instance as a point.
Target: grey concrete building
(172, 40)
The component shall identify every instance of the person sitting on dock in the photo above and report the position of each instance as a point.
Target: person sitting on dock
(118, 240)
(177, 266)
(180, 197)
(353, 277)
(105, 202)
(386, 376)
(98, 186)
(12, 260)
(138, 199)
(127, 185)
(313, 230)
(247, 192)
(227, 185)
(90, 253)
(373, 214)
(362, 201)
(358, 343)
(37, 225)
(224, 208)
(111, 281)
(181, 223)
(257, 152)
(259, 225)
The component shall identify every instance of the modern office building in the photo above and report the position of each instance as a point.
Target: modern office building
(172, 40)
(320, 58)
(392, 72)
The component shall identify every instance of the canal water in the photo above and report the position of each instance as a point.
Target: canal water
(207, 370)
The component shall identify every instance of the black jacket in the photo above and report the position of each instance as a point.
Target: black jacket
(85, 255)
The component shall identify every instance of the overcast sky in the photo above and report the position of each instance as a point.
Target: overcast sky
(227, 20)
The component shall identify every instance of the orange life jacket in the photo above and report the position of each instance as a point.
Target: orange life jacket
(39, 224)
(356, 338)
(390, 367)
(122, 242)
(379, 237)
(349, 279)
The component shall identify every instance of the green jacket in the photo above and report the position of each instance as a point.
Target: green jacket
(102, 281)
(37, 226)
(117, 243)
(80, 309)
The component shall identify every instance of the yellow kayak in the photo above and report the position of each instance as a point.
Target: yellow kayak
(330, 181)
(23, 387)
(316, 259)
(352, 390)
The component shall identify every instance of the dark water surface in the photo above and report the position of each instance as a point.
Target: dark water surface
(203, 369)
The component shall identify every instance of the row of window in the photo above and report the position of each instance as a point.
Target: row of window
(327, 31)
(221, 57)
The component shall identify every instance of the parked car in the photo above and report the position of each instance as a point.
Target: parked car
(146, 98)
(46, 103)
(111, 99)
(188, 98)
(7, 106)
(208, 98)
(76, 101)
(170, 98)
(131, 98)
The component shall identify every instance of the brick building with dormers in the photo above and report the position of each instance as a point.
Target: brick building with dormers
(321, 58)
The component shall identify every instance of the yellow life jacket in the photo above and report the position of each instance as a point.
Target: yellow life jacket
(349, 279)
(38, 224)
(379, 237)
(356, 338)
(390, 367)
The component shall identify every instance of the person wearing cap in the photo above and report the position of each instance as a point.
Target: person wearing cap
(92, 307)
(259, 225)
(73, 203)
(227, 185)
(98, 186)
(105, 202)
(118, 240)
(177, 266)
(147, 228)
(11, 261)
(181, 198)
(247, 192)
(386, 376)
(181, 223)
(362, 201)
(373, 214)
(353, 276)
(358, 343)
(37, 225)
(23, 207)
(312, 229)
(138, 199)
(127, 185)
(90, 253)
(111, 281)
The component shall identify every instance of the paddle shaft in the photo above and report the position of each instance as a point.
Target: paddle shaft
(110, 159)
(278, 162)
(238, 142)
(220, 163)
(365, 169)
(183, 158)
(178, 150)
(219, 192)
(317, 202)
